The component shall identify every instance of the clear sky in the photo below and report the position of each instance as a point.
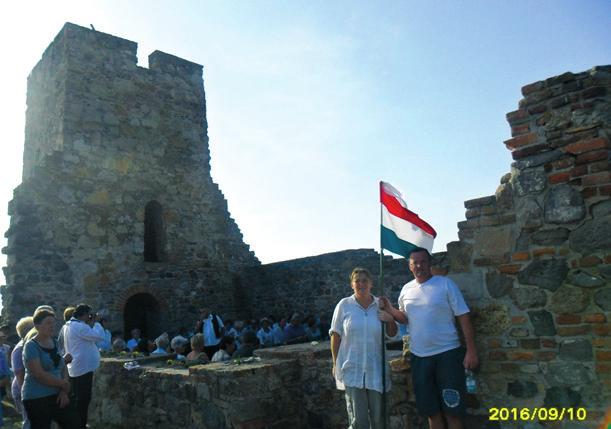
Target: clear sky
(311, 103)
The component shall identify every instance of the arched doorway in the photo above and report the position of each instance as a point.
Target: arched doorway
(142, 311)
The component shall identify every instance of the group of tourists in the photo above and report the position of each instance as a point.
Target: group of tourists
(53, 375)
(430, 304)
(223, 340)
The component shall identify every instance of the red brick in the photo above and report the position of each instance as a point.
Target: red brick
(518, 320)
(603, 355)
(599, 166)
(549, 343)
(602, 330)
(590, 192)
(597, 155)
(521, 355)
(510, 367)
(517, 130)
(574, 263)
(589, 261)
(517, 116)
(595, 318)
(604, 190)
(530, 343)
(559, 177)
(510, 268)
(580, 170)
(542, 251)
(532, 87)
(602, 342)
(519, 141)
(597, 178)
(497, 355)
(568, 319)
(586, 146)
(520, 256)
(571, 331)
(539, 108)
(581, 106)
(494, 343)
(594, 91)
(563, 163)
(529, 151)
(564, 251)
(546, 355)
(608, 259)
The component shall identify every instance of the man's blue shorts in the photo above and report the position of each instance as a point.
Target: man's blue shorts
(439, 383)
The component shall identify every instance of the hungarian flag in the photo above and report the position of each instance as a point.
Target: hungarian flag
(402, 230)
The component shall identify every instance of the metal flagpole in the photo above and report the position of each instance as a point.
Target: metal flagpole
(381, 280)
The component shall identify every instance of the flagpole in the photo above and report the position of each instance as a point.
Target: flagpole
(381, 280)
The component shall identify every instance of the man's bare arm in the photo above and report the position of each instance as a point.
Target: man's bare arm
(471, 360)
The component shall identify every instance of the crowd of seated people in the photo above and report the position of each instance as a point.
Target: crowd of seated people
(238, 338)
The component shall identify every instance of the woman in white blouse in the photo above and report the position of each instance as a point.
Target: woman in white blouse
(356, 347)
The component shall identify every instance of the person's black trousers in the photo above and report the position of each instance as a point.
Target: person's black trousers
(81, 392)
(42, 411)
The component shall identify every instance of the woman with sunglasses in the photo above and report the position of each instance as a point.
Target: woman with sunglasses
(45, 385)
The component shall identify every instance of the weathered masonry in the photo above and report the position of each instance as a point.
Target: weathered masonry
(117, 207)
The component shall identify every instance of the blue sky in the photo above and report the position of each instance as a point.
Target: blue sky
(311, 103)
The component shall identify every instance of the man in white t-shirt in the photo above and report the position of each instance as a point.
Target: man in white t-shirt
(431, 305)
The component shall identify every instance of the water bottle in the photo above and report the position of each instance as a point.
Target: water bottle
(470, 381)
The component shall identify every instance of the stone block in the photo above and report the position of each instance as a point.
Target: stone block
(528, 297)
(494, 241)
(522, 389)
(492, 319)
(543, 323)
(498, 285)
(548, 274)
(550, 237)
(594, 235)
(531, 181)
(568, 374)
(605, 271)
(561, 397)
(529, 213)
(568, 299)
(471, 284)
(459, 254)
(578, 350)
(564, 204)
(602, 298)
(583, 278)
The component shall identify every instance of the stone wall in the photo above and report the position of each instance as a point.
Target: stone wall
(290, 386)
(542, 246)
(115, 153)
(314, 284)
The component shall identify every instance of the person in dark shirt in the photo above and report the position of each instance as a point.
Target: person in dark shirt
(294, 331)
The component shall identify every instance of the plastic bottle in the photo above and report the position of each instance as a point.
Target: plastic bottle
(470, 382)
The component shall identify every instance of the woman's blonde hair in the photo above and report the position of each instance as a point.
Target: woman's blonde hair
(24, 325)
(360, 270)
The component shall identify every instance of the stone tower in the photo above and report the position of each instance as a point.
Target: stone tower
(117, 207)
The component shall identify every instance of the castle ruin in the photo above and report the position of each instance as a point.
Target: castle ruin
(117, 208)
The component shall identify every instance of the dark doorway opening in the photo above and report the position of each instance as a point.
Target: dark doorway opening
(154, 234)
(142, 311)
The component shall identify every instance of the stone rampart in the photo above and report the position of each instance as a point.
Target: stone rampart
(290, 386)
